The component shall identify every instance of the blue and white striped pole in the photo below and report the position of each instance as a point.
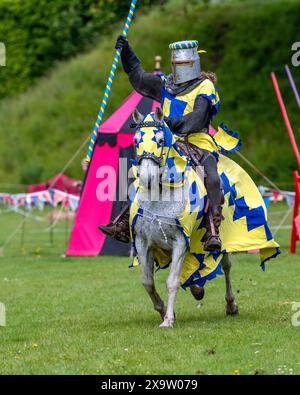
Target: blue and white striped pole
(109, 84)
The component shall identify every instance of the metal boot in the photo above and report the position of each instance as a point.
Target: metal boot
(119, 228)
(213, 222)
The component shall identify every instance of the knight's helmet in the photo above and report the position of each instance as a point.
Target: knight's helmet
(185, 61)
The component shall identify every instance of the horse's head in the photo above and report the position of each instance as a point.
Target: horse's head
(153, 140)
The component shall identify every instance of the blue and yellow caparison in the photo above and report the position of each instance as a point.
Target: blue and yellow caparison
(245, 226)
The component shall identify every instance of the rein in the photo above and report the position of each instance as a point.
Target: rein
(149, 155)
(147, 124)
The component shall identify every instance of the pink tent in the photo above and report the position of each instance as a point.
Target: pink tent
(115, 141)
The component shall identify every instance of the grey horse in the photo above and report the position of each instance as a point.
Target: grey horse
(157, 229)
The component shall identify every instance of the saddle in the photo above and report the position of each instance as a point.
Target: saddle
(198, 156)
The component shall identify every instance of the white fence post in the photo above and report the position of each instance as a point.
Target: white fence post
(2, 55)
(296, 315)
(2, 315)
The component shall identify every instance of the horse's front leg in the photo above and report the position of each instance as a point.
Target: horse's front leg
(231, 306)
(173, 283)
(147, 267)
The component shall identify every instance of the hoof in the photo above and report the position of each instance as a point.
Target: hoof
(197, 291)
(166, 325)
(168, 322)
(232, 309)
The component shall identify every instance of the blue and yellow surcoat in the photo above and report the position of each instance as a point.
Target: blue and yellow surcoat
(244, 228)
(175, 106)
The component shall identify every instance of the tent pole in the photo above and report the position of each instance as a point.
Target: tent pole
(293, 85)
(51, 226)
(23, 232)
(67, 224)
(286, 118)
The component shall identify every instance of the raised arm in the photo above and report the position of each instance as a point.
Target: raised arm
(146, 84)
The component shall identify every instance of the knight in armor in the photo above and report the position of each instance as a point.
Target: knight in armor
(189, 101)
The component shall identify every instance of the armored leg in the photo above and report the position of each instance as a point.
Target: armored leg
(201, 157)
(215, 196)
(119, 227)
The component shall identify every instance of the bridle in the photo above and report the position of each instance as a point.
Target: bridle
(164, 144)
(149, 155)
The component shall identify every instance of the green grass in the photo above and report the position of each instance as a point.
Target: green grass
(91, 315)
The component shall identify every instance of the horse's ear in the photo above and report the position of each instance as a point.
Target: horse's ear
(159, 116)
(137, 116)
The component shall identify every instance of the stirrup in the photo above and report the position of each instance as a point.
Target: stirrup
(213, 243)
(120, 236)
(118, 229)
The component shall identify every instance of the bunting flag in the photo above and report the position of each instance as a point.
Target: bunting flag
(50, 197)
(277, 196)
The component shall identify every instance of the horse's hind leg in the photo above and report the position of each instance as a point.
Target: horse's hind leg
(147, 266)
(231, 307)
